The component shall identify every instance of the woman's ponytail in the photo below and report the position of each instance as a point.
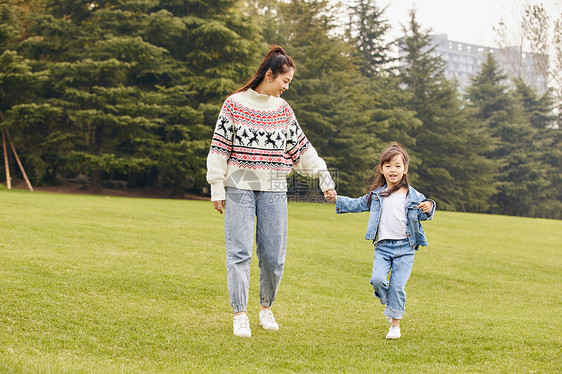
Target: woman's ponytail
(276, 60)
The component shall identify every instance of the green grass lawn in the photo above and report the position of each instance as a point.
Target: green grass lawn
(93, 284)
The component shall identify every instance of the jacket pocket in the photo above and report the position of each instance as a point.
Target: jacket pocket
(375, 204)
(413, 211)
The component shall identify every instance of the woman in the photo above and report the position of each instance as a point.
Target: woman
(256, 143)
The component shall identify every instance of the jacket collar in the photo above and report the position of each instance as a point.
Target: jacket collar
(412, 193)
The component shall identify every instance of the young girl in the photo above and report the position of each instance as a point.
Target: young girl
(396, 210)
(256, 143)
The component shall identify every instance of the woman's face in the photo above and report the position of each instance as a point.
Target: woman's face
(276, 86)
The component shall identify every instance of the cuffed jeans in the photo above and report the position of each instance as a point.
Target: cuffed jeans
(268, 211)
(398, 256)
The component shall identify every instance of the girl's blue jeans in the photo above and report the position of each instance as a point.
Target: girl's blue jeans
(268, 212)
(397, 257)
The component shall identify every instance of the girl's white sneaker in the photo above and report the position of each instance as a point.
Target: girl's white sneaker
(393, 333)
(241, 325)
(268, 321)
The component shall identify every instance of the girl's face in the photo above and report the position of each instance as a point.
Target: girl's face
(393, 171)
(276, 86)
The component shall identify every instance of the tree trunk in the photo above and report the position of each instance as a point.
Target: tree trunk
(177, 191)
(95, 181)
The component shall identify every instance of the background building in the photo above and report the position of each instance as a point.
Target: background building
(463, 61)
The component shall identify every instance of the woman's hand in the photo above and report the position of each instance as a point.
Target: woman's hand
(425, 206)
(219, 205)
(330, 195)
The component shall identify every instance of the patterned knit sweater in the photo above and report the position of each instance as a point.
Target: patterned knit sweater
(256, 143)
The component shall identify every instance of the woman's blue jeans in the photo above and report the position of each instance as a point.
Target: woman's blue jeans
(397, 257)
(268, 212)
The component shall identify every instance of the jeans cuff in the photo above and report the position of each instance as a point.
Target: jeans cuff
(393, 313)
(266, 303)
(238, 308)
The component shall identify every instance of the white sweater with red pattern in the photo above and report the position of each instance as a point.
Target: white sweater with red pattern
(256, 143)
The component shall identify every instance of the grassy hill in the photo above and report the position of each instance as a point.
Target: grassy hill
(100, 284)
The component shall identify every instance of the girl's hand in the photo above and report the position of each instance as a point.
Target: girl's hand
(330, 195)
(219, 205)
(425, 206)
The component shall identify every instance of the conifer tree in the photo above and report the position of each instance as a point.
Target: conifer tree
(537, 109)
(388, 117)
(543, 150)
(19, 78)
(329, 105)
(97, 60)
(523, 167)
(448, 147)
(138, 84)
(213, 47)
(367, 31)
(344, 113)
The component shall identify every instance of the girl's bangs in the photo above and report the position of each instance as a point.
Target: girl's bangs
(388, 156)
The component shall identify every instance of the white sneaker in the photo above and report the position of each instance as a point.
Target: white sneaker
(268, 321)
(241, 325)
(393, 333)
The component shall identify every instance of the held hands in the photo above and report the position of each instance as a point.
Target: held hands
(219, 205)
(330, 195)
(425, 206)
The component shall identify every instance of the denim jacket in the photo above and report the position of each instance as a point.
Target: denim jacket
(416, 235)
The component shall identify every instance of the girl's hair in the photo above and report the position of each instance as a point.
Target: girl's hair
(387, 155)
(276, 60)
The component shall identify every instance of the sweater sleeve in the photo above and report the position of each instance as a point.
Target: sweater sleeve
(305, 158)
(221, 147)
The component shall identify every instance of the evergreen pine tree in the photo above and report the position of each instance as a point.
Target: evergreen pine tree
(387, 115)
(215, 47)
(137, 85)
(345, 114)
(447, 155)
(325, 93)
(19, 79)
(367, 31)
(521, 177)
(543, 150)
